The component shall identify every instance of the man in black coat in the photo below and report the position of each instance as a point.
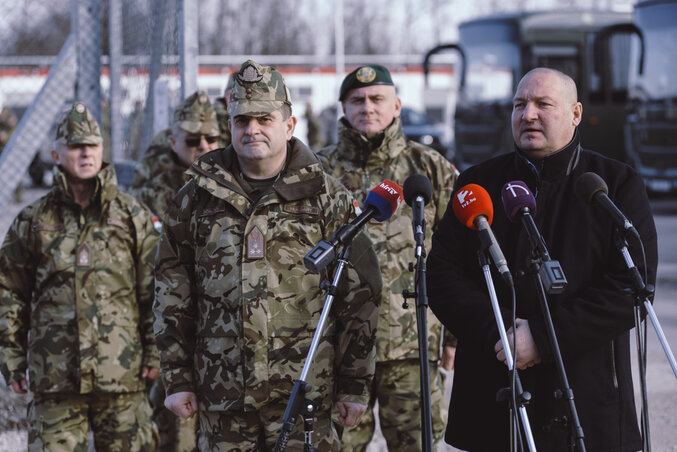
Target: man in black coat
(592, 317)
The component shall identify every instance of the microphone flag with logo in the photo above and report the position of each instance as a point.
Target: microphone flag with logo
(517, 200)
(381, 203)
(473, 207)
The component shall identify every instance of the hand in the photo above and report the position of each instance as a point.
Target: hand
(448, 356)
(150, 372)
(350, 413)
(183, 404)
(20, 387)
(527, 352)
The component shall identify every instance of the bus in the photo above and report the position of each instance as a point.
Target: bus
(651, 113)
(593, 47)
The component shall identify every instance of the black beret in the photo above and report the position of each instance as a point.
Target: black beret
(373, 74)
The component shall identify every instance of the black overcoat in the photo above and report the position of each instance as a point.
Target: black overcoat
(592, 317)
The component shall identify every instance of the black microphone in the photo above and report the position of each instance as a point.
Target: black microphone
(519, 205)
(380, 204)
(592, 189)
(417, 193)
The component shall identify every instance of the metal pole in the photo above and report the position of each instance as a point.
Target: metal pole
(188, 47)
(87, 26)
(115, 74)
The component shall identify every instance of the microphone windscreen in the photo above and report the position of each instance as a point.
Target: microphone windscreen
(516, 196)
(417, 185)
(589, 184)
(469, 202)
(386, 197)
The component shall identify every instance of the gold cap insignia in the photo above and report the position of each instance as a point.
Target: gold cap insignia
(366, 74)
(80, 108)
(249, 74)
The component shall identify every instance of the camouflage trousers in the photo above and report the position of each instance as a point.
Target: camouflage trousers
(119, 422)
(397, 387)
(176, 434)
(258, 430)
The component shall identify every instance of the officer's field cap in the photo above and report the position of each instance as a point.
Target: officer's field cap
(258, 91)
(373, 74)
(196, 115)
(78, 126)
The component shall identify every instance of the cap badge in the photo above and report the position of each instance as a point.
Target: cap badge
(366, 74)
(80, 108)
(203, 98)
(249, 74)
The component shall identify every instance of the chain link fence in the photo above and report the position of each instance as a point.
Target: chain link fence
(106, 53)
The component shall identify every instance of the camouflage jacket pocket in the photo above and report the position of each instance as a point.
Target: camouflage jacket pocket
(119, 355)
(219, 379)
(53, 358)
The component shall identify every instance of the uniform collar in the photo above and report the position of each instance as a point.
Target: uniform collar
(301, 178)
(359, 147)
(106, 184)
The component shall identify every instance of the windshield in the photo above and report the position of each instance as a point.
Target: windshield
(493, 58)
(657, 21)
(413, 118)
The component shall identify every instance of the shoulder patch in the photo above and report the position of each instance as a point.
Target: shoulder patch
(118, 223)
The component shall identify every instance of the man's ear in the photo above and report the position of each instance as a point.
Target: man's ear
(291, 126)
(55, 156)
(578, 113)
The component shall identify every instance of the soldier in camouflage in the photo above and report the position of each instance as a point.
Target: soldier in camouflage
(160, 174)
(371, 147)
(235, 308)
(76, 290)
(221, 107)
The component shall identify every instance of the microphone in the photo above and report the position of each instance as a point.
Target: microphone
(592, 189)
(519, 204)
(381, 203)
(472, 206)
(417, 193)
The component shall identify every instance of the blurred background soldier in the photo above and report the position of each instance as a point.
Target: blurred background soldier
(8, 122)
(315, 140)
(236, 309)
(221, 107)
(160, 174)
(371, 147)
(76, 278)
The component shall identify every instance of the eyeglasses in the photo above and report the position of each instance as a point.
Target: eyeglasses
(194, 142)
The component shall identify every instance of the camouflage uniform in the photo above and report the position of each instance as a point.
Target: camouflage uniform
(156, 181)
(236, 310)
(8, 122)
(361, 162)
(222, 116)
(75, 312)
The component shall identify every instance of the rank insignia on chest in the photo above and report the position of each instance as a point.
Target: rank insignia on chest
(83, 255)
(255, 244)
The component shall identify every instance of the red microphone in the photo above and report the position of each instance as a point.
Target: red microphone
(473, 207)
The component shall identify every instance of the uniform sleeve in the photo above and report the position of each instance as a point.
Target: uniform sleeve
(174, 306)
(17, 270)
(356, 314)
(147, 239)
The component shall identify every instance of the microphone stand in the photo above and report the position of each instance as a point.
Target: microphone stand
(421, 295)
(522, 397)
(545, 269)
(641, 291)
(298, 403)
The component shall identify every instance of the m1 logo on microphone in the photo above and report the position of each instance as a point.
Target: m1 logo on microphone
(396, 192)
(465, 199)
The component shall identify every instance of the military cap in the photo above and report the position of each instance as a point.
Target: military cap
(78, 126)
(373, 74)
(258, 91)
(196, 115)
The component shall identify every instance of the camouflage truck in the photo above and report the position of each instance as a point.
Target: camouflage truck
(593, 47)
(651, 113)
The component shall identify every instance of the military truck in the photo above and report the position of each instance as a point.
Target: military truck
(593, 47)
(651, 121)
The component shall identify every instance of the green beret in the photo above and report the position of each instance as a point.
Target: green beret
(374, 74)
(258, 91)
(196, 115)
(78, 126)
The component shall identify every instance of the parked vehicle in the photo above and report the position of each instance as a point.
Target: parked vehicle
(593, 47)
